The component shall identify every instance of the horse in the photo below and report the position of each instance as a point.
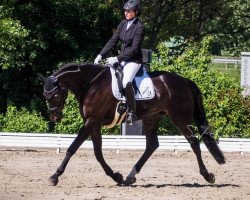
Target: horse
(176, 97)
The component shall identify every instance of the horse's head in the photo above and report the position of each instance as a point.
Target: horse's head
(55, 95)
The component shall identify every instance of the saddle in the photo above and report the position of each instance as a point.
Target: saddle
(143, 87)
(142, 83)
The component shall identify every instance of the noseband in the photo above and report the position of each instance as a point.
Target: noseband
(63, 95)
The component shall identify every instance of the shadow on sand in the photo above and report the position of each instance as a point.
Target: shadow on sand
(186, 185)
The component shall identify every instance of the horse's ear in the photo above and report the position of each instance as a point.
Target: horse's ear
(42, 78)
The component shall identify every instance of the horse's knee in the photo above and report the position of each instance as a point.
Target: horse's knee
(156, 145)
(153, 145)
(98, 156)
(72, 149)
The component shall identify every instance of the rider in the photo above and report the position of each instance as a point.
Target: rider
(130, 32)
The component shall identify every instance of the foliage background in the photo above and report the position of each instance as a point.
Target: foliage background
(39, 35)
(227, 110)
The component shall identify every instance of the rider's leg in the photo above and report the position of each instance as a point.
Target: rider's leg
(130, 99)
(129, 71)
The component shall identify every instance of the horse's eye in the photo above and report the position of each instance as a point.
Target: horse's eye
(56, 96)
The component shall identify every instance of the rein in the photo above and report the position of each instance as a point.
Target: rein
(104, 69)
(91, 81)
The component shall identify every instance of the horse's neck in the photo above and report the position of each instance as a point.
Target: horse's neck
(78, 80)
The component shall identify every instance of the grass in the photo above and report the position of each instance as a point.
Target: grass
(231, 69)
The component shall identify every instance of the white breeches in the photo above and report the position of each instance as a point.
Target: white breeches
(129, 71)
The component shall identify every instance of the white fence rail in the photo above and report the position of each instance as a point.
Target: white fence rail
(235, 61)
(227, 60)
(58, 141)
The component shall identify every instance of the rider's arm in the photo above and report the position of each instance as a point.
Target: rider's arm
(112, 42)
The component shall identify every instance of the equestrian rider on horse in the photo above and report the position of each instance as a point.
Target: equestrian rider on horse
(130, 32)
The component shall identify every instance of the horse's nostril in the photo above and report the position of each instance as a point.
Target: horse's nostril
(55, 117)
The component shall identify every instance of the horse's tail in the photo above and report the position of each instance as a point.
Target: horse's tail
(203, 126)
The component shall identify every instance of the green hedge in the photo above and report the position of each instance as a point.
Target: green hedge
(227, 111)
(22, 121)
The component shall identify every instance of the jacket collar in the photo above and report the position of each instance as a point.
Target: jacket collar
(133, 24)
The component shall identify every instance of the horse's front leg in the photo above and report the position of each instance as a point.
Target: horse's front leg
(97, 142)
(81, 137)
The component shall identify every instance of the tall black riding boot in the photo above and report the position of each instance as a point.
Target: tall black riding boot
(130, 99)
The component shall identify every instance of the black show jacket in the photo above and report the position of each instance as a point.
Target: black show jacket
(131, 49)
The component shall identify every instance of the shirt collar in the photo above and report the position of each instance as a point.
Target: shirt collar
(130, 22)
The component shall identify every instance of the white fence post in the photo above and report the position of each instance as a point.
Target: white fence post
(245, 72)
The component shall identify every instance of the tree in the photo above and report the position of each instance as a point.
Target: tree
(13, 55)
(233, 28)
(48, 33)
(228, 20)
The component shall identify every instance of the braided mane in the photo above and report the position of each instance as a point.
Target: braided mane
(75, 67)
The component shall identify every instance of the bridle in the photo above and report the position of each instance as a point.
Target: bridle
(63, 95)
(49, 93)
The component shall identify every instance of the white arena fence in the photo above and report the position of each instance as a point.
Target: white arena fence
(117, 142)
(235, 61)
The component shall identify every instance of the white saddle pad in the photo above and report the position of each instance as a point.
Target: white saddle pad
(144, 84)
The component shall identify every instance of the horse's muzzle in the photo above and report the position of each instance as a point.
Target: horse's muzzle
(55, 117)
(55, 114)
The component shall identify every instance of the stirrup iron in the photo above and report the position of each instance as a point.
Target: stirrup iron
(131, 118)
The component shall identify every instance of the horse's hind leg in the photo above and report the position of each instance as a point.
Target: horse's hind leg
(152, 143)
(81, 137)
(195, 145)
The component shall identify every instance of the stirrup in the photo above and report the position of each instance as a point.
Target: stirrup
(131, 117)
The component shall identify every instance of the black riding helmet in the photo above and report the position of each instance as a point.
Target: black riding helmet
(132, 5)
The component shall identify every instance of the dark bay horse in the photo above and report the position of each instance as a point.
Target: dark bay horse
(176, 97)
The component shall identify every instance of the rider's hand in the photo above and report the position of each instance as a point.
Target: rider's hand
(112, 60)
(97, 59)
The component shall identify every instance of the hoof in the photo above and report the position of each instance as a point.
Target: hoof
(210, 178)
(118, 178)
(129, 181)
(53, 181)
